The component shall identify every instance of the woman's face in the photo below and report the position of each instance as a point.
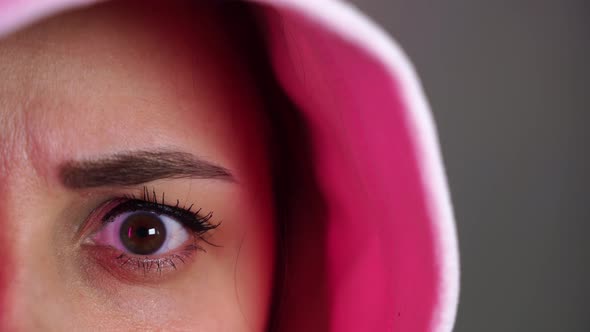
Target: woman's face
(134, 175)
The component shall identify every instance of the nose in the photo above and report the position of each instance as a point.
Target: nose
(30, 302)
(33, 288)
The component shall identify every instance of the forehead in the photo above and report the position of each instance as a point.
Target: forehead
(97, 81)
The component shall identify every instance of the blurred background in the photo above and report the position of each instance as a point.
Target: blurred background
(508, 82)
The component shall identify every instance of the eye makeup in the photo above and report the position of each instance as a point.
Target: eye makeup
(144, 239)
(149, 202)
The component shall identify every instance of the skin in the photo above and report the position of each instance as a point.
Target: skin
(90, 83)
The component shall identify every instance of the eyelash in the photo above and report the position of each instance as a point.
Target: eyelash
(192, 220)
(195, 223)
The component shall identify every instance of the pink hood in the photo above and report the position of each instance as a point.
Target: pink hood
(391, 249)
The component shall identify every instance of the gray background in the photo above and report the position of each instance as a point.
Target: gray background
(508, 84)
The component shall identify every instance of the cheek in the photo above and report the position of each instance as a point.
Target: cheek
(254, 278)
(255, 259)
(255, 256)
(238, 283)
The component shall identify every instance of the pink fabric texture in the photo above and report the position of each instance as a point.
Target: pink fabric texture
(391, 254)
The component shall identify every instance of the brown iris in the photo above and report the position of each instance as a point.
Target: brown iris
(143, 233)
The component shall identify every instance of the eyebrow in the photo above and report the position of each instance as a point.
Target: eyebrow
(136, 167)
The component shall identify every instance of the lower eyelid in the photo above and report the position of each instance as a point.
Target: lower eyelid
(140, 269)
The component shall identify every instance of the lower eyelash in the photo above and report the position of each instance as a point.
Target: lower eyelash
(148, 264)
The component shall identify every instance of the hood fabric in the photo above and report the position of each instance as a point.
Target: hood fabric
(391, 249)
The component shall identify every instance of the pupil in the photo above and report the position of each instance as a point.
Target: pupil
(143, 233)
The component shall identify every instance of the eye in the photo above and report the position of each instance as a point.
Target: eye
(143, 232)
(137, 236)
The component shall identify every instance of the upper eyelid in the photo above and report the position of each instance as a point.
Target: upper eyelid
(148, 198)
(189, 218)
(127, 204)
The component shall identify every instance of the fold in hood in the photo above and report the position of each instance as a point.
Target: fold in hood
(391, 249)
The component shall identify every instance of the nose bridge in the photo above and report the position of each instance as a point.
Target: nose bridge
(31, 303)
(22, 297)
(11, 273)
(24, 284)
(8, 227)
(11, 142)
(28, 289)
(7, 259)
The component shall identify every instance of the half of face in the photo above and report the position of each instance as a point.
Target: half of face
(136, 190)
